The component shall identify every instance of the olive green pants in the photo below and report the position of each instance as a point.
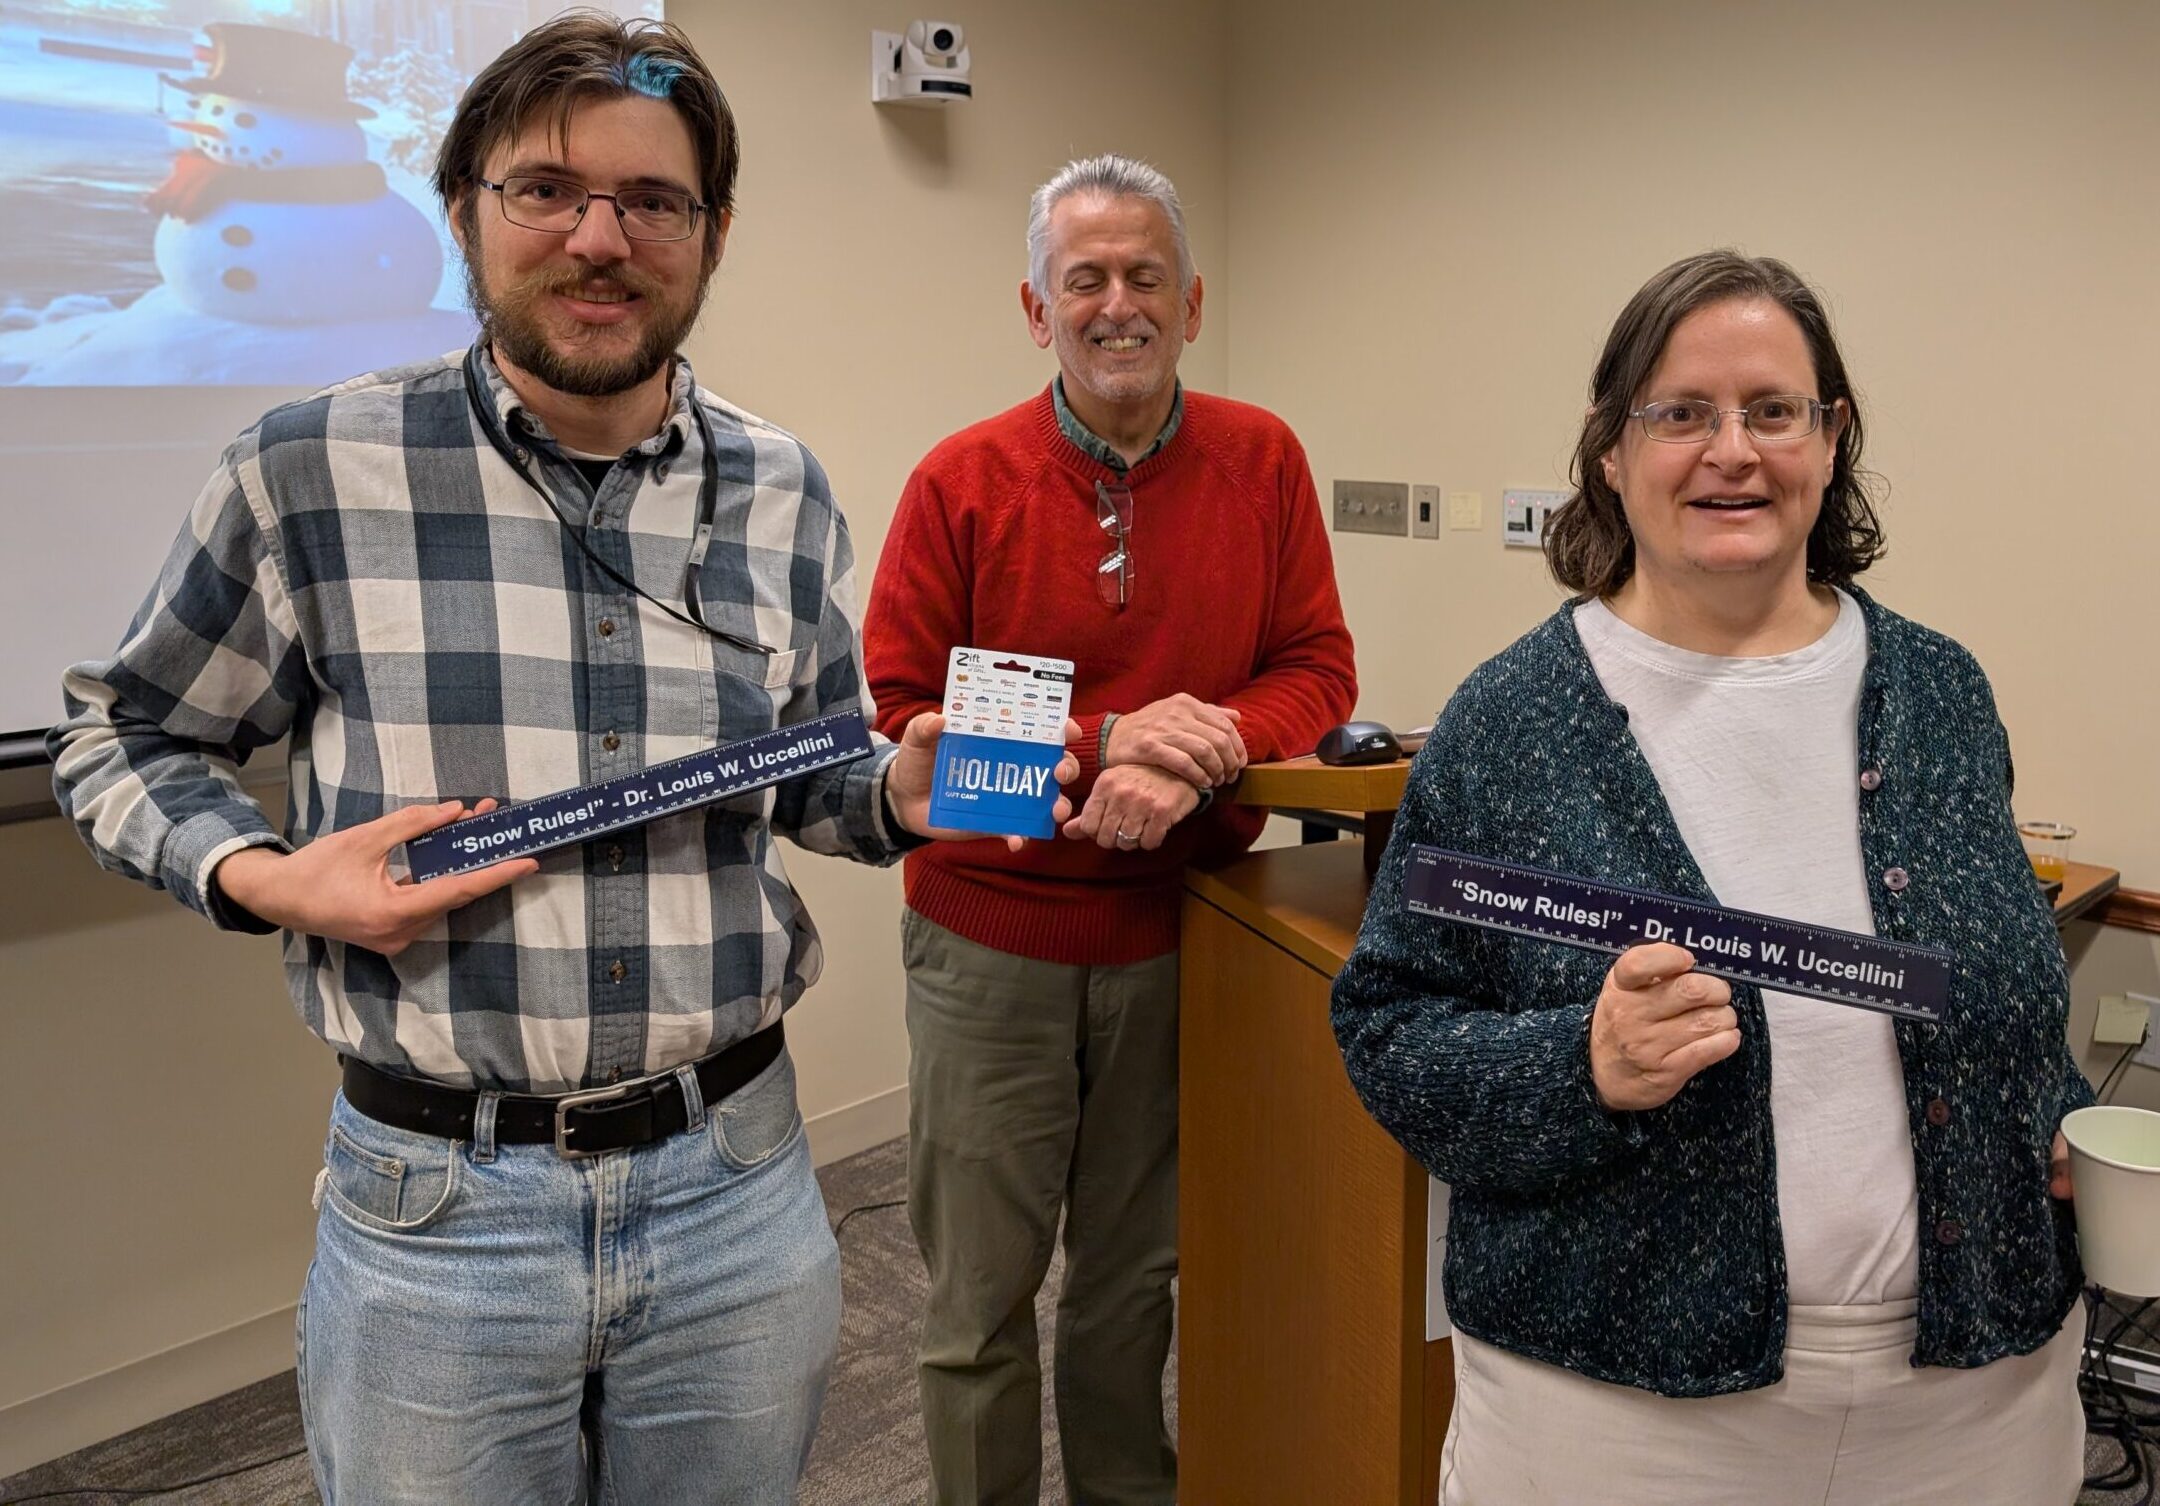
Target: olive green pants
(1035, 1087)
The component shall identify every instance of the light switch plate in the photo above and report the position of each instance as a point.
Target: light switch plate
(1425, 512)
(1373, 507)
(1466, 511)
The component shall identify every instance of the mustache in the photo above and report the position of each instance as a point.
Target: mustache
(1104, 329)
(575, 282)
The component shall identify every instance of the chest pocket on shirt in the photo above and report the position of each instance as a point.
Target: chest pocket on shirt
(744, 691)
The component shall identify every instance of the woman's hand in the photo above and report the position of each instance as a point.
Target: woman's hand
(1657, 1024)
(2059, 1169)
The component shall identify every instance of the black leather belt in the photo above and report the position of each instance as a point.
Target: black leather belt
(621, 1116)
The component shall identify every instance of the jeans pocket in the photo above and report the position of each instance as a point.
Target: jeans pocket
(760, 1119)
(395, 1182)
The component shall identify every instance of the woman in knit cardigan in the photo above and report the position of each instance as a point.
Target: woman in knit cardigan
(1710, 1243)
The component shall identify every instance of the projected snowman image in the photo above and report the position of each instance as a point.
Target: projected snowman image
(273, 213)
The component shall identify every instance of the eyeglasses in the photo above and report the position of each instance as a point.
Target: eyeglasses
(1114, 571)
(549, 204)
(1688, 420)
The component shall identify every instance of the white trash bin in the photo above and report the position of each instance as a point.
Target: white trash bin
(2115, 1171)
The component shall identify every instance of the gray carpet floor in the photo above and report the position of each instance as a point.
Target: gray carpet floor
(868, 1452)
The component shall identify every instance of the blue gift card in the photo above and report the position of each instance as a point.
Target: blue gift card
(1004, 735)
(993, 784)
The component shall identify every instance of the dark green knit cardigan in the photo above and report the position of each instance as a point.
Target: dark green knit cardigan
(1645, 1248)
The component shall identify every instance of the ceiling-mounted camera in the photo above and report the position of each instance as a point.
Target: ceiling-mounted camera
(927, 65)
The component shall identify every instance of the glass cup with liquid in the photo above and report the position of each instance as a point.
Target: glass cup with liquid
(2047, 844)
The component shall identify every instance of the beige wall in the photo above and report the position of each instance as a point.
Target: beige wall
(1436, 211)
(159, 1231)
(869, 301)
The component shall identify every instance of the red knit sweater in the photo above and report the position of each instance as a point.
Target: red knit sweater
(994, 546)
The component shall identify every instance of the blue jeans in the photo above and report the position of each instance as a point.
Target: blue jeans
(492, 1323)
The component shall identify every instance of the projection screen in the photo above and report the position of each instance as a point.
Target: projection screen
(206, 208)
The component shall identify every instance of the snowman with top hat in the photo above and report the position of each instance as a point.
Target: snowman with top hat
(273, 213)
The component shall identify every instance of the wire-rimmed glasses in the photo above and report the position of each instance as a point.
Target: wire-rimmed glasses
(1114, 571)
(557, 207)
(1691, 420)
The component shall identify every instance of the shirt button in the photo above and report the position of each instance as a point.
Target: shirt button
(1895, 880)
(615, 856)
(614, 1074)
(1938, 1112)
(1871, 779)
(607, 627)
(1948, 1231)
(611, 742)
(616, 971)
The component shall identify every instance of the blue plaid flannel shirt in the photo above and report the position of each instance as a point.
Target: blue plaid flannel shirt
(367, 574)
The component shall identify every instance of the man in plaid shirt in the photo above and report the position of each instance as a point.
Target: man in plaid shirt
(488, 576)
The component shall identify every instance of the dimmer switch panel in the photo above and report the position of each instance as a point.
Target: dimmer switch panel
(1373, 507)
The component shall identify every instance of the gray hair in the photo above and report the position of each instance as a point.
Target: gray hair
(1112, 177)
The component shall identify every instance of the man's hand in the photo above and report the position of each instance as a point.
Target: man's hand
(1180, 735)
(2059, 1170)
(1133, 806)
(1657, 1024)
(339, 886)
(908, 776)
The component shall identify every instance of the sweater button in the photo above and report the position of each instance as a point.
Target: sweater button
(1948, 1231)
(1938, 1112)
(1871, 779)
(1895, 880)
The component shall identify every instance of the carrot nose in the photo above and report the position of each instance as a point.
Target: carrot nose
(200, 128)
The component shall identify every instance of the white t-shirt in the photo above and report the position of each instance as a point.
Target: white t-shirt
(1759, 760)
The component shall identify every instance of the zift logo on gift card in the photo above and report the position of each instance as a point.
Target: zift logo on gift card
(1004, 734)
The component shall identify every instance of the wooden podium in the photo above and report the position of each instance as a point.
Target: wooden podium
(1303, 1371)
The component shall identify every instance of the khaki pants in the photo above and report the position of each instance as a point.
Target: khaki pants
(1851, 1424)
(1036, 1086)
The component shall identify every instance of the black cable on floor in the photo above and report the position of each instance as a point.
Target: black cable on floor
(131, 1492)
(2110, 1412)
(898, 1202)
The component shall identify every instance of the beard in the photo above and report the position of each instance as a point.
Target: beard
(1085, 363)
(511, 322)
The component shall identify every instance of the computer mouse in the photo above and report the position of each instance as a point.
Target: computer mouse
(1358, 742)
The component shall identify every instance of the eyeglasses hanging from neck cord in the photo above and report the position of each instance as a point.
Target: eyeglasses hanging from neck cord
(701, 539)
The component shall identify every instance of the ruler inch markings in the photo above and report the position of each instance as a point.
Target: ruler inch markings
(1435, 871)
(596, 810)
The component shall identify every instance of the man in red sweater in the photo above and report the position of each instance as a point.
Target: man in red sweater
(1171, 545)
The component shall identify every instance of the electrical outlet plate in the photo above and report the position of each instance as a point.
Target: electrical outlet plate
(1524, 513)
(2121, 1022)
(1373, 507)
(1425, 512)
(2148, 1055)
(1466, 511)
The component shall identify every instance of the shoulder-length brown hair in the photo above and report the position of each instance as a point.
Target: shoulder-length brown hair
(581, 55)
(1587, 543)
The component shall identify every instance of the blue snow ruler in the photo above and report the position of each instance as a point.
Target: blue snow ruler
(1817, 962)
(592, 810)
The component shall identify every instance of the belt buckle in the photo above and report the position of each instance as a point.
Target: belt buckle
(569, 1101)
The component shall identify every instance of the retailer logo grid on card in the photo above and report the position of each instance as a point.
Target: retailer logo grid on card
(1004, 734)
